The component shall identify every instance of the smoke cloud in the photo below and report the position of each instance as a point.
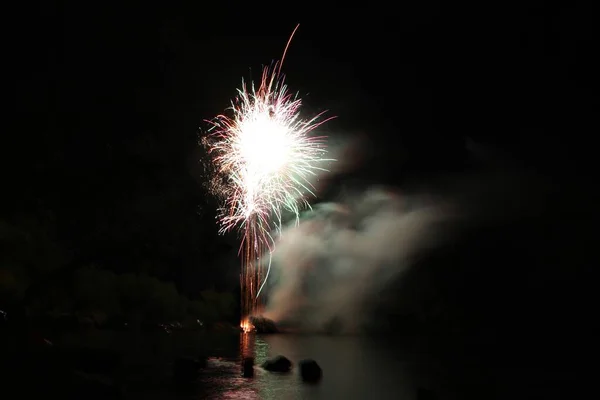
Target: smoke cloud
(330, 270)
(327, 269)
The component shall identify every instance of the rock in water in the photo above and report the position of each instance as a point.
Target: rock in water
(263, 325)
(278, 364)
(201, 361)
(426, 394)
(185, 370)
(248, 367)
(310, 371)
(92, 361)
(333, 326)
(90, 386)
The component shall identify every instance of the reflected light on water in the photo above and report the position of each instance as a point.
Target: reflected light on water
(247, 344)
(352, 368)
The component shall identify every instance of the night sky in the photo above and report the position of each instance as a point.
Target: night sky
(102, 149)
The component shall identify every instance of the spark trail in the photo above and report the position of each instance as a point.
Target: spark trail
(265, 157)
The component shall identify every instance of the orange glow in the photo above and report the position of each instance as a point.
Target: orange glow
(246, 326)
(247, 344)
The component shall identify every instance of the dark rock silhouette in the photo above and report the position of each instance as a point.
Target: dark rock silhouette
(278, 364)
(201, 361)
(3, 319)
(91, 386)
(248, 367)
(333, 326)
(310, 371)
(426, 394)
(186, 370)
(264, 325)
(97, 361)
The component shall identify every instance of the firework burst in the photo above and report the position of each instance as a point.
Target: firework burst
(265, 159)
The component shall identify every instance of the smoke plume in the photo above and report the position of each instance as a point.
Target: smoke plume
(326, 269)
(332, 268)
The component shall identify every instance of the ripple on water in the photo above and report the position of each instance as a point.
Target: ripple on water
(350, 370)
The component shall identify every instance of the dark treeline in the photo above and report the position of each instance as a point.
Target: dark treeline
(101, 175)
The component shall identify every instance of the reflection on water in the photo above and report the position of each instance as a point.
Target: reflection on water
(247, 345)
(353, 368)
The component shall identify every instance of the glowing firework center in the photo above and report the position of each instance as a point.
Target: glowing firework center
(264, 148)
(266, 156)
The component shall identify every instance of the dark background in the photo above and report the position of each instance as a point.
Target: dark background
(101, 163)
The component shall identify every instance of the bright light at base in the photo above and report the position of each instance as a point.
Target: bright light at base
(247, 326)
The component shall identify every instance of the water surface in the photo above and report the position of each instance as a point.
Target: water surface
(356, 367)
(353, 368)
